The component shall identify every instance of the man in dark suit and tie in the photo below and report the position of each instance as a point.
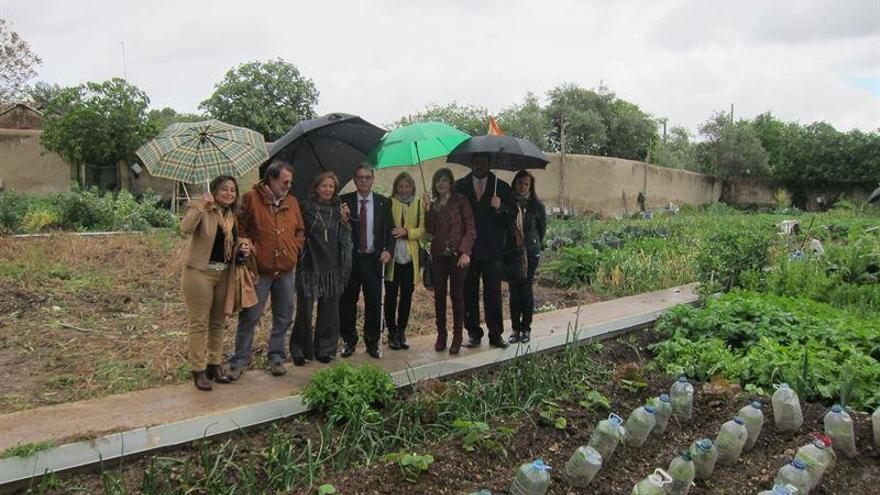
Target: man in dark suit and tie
(371, 224)
(491, 201)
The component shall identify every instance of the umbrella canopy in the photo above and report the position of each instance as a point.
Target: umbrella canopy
(196, 152)
(337, 142)
(874, 195)
(505, 153)
(409, 145)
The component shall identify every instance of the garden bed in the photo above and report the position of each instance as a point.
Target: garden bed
(294, 456)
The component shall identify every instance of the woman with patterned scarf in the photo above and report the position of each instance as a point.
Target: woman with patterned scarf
(530, 225)
(322, 272)
(211, 278)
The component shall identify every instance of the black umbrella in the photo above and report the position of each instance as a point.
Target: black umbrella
(336, 142)
(874, 195)
(505, 153)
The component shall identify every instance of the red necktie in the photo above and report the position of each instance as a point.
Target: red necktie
(362, 227)
(480, 189)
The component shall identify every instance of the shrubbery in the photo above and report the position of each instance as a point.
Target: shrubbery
(346, 393)
(81, 210)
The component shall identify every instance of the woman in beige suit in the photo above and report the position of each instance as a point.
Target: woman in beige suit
(209, 280)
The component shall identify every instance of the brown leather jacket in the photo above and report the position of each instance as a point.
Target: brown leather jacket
(277, 232)
(452, 226)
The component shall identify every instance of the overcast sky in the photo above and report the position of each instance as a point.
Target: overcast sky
(804, 60)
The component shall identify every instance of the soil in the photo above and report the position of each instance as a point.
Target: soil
(84, 317)
(455, 471)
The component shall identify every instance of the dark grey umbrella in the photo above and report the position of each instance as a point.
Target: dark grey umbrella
(505, 153)
(336, 142)
(874, 195)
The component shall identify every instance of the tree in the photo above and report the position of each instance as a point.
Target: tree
(470, 119)
(17, 65)
(162, 118)
(41, 93)
(526, 120)
(97, 124)
(598, 123)
(268, 97)
(732, 149)
(676, 151)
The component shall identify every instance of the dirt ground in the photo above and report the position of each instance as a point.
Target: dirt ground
(456, 472)
(84, 317)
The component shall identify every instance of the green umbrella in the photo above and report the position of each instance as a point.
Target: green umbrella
(196, 152)
(408, 146)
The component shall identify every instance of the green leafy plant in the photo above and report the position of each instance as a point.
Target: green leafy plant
(327, 489)
(478, 435)
(595, 401)
(551, 415)
(26, 449)
(345, 393)
(412, 465)
(729, 256)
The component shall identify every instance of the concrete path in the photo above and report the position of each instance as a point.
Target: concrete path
(84, 420)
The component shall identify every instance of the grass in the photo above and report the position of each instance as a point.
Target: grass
(26, 449)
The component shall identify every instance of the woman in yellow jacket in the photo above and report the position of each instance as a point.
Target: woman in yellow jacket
(403, 272)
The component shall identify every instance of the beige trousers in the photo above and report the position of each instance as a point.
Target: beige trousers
(204, 293)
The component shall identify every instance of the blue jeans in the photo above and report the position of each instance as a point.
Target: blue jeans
(281, 290)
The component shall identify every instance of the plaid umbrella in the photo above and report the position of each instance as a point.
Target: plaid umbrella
(196, 152)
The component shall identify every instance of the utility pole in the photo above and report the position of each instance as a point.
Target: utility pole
(124, 64)
(562, 198)
(731, 113)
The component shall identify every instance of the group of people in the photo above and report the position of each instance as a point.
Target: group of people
(325, 252)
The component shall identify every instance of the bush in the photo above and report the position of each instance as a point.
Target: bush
(13, 209)
(576, 266)
(730, 256)
(345, 393)
(40, 218)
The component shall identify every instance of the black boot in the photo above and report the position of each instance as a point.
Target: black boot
(393, 341)
(514, 336)
(525, 336)
(215, 372)
(401, 340)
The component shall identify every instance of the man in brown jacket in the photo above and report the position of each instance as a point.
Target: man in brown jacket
(271, 219)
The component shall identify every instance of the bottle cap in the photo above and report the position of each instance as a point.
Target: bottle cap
(540, 466)
(650, 409)
(682, 379)
(757, 404)
(664, 397)
(614, 419)
(687, 455)
(798, 464)
(836, 408)
(704, 444)
(738, 420)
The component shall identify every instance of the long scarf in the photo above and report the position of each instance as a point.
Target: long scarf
(522, 203)
(226, 223)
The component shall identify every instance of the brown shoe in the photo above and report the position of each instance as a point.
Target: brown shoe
(215, 372)
(234, 373)
(277, 368)
(200, 378)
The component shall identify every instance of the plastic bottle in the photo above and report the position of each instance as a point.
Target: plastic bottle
(705, 456)
(607, 435)
(754, 418)
(875, 420)
(639, 425)
(730, 440)
(787, 412)
(582, 467)
(780, 490)
(794, 474)
(682, 397)
(683, 472)
(818, 457)
(481, 492)
(662, 411)
(839, 426)
(531, 478)
(653, 484)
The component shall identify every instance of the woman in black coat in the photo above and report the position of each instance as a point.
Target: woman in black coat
(529, 227)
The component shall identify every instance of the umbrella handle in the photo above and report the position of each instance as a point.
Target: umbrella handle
(421, 171)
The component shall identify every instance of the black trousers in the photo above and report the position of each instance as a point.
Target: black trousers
(490, 272)
(522, 299)
(305, 343)
(366, 275)
(403, 284)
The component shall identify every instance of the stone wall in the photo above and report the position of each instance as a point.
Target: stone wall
(24, 169)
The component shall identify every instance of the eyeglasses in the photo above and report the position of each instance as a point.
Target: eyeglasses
(363, 177)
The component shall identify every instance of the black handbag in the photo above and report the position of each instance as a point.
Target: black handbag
(424, 256)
